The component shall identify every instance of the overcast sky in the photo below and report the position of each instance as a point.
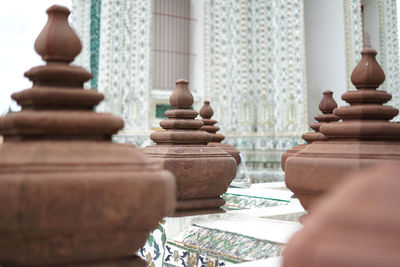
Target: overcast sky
(20, 23)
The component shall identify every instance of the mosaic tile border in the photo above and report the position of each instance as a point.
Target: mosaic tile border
(238, 202)
(229, 246)
(95, 14)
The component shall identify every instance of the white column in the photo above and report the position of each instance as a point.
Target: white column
(325, 51)
(124, 64)
(371, 24)
(196, 73)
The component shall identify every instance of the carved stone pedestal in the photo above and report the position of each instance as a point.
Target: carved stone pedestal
(364, 138)
(68, 196)
(206, 112)
(326, 106)
(203, 173)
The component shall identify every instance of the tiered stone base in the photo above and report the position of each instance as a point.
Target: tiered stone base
(202, 174)
(199, 206)
(310, 176)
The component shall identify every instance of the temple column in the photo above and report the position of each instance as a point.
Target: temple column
(116, 38)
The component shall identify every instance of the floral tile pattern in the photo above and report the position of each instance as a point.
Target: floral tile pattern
(229, 246)
(154, 249)
(254, 58)
(95, 11)
(179, 255)
(237, 202)
(205, 247)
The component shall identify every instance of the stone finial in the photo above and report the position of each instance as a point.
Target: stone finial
(365, 137)
(368, 74)
(181, 97)
(58, 41)
(366, 105)
(326, 106)
(206, 112)
(181, 124)
(74, 178)
(59, 86)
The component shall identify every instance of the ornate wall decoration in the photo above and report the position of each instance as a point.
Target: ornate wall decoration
(124, 62)
(81, 22)
(226, 246)
(253, 57)
(354, 36)
(255, 73)
(95, 14)
(254, 70)
(389, 49)
(238, 202)
(228, 62)
(206, 247)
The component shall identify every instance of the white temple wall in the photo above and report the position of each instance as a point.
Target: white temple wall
(196, 72)
(371, 24)
(263, 64)
(325, 51)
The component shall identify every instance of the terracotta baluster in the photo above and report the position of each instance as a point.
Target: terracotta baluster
(206, 112)
(203, 173)
(365, 137)
(68, 195)
(326, 106)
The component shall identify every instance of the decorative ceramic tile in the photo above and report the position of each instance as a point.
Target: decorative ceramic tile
(192, 243)
(234, 201)
(81, 22)
(154, 249)
(229, 246)
(160, 110)
(178, 255)
(255, 66)
(252, 62)
(158, 251)
(95, 12)
(389, 49)
(124, 61)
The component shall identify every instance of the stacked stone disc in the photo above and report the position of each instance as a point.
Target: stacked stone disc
(363, 138)
(326, 106)
(68, 196)
(203, 173)
(206, 112)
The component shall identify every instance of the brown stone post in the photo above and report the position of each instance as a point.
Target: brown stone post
(203, 173)
(68, 195)
(326, 106)
(365, 137)
(206, 112)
